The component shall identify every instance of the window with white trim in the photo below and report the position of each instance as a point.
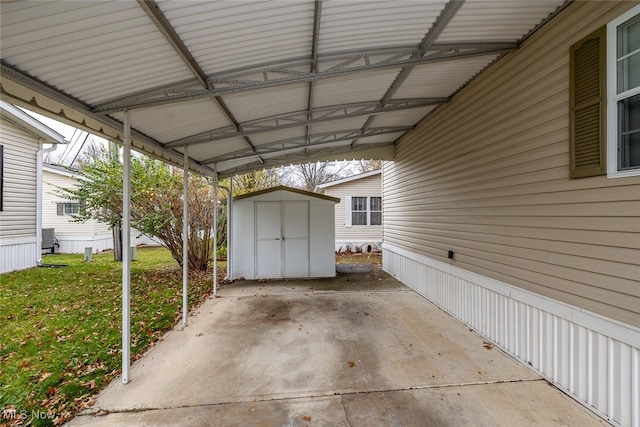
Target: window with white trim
(623, 89)
(68, 209)
(364, 211)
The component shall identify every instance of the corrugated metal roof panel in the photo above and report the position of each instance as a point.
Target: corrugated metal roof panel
(356, 24)
(231, 164)
(441, 79)
(171, 122)
(482, 20)
(279, 135)
(216, 148)
(267, 102)
(226, 35)
(401, 118)
(380, 139)
(358, 88)
(337, 125)
(94, 57)
(112, 51)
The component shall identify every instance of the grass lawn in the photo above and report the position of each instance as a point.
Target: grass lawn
(60, 328)
(357, 258)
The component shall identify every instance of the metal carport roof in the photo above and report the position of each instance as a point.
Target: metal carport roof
(247, 85)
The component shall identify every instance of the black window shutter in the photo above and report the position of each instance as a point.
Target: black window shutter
(587, 112)
(59, 208)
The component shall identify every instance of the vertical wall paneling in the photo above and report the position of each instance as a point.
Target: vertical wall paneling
(593, 359)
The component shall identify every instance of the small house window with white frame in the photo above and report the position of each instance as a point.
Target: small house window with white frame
(366, 211)
(67, 208)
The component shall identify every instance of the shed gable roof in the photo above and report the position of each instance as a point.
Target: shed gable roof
(351, 178)
(288, 189)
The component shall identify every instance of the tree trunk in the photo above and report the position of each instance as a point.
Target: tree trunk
(117, 243)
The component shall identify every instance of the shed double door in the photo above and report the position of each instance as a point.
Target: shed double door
(282, 239)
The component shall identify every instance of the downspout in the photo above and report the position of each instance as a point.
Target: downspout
(39, 161)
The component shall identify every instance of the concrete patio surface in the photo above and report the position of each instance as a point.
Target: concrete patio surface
(358, 350)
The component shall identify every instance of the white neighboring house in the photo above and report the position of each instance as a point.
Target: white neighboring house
(21, 148)
(358, 216)
(74, 237)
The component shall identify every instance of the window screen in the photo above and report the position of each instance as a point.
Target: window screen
(359, 211)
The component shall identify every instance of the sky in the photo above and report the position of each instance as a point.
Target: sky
(65, 154)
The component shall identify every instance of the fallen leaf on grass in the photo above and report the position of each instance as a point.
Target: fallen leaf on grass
(307, 418)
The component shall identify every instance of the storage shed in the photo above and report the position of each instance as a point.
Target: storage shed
(282, 232)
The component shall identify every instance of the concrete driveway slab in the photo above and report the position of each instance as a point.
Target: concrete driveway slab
(329, 352)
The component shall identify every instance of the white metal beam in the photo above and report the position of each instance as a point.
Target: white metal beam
(126, 248)
(152, 10)
(185, 237)
(319, 139)
(215, 232)
(303, 118)
(83, 117)
(275, 75)
(304, 156)
(425, 45)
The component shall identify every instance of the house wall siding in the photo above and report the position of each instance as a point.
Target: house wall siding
(369, 186)
(64, 228)
(74, 237)
(544, 266)
(487, 176)
(18, 217)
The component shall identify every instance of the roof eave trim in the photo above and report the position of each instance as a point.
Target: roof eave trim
(350, 178)
(289, 189)
(31, 124)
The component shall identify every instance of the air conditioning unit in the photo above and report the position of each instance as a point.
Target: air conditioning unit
(48, 240)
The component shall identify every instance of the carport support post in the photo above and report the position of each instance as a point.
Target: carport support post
(185, 237)
(215, 231)
(126, 253)
(229, 225)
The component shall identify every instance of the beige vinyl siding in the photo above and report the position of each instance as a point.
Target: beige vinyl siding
(368, 186)
(62, 224)
(487, 176)
(18, 218)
